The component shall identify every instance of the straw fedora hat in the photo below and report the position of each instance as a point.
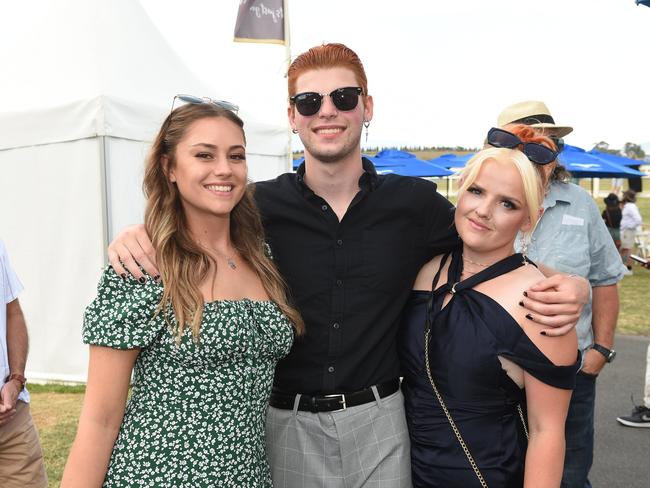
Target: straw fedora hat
(533, 113)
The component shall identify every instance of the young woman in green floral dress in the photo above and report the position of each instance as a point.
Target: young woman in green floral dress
(202, 339)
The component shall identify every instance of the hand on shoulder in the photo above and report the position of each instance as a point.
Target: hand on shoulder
(560, 349)
(508, 290)
(132, 252)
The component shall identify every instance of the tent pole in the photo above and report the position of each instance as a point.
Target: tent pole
(287, 52)
(105, 194)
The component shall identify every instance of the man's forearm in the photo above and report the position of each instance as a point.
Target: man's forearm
(604, 314)
(17, 341)
(547, 271)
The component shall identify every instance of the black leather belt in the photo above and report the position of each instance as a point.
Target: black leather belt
(330, 403)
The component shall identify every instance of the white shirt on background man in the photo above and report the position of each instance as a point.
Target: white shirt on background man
(10, 288)
(630, 216)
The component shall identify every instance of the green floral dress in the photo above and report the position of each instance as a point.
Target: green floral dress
(197, 411)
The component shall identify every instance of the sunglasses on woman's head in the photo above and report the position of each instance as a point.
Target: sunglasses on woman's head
(309, 103)
(537, 153)
(197, 100)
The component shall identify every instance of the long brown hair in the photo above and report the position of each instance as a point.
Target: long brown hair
(183, 264)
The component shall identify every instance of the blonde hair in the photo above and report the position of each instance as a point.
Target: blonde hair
(530, 177)
(183, 264)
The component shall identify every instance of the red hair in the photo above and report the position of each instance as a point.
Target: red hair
(527, 133)
(333, 55)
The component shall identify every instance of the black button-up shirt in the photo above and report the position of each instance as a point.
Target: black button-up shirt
(350, 279)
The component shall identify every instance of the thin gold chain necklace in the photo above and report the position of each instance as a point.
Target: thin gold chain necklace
(465, 258)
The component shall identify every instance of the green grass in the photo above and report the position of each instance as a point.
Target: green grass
(634, 303)
(56, 412)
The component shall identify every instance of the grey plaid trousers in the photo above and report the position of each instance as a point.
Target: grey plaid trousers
(364, 446)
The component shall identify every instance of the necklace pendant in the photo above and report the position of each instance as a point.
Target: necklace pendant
(231, 263)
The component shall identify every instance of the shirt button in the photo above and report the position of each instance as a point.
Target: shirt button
(324, 207)
(340, 242)
(330, 369)
(336, 325)
(339, 282)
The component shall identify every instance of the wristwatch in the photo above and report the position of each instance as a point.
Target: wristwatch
(18, 377)
(609, 354)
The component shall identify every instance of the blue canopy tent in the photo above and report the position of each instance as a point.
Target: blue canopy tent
(452, 160)
(411, 168)
(643, 2)
(581, 164)
(405, 163)
(391, 162)
(578, 162)
(614, 158)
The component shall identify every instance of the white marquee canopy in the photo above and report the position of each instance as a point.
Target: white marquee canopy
(85, 86)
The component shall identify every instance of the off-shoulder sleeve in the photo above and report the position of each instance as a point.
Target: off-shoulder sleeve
(530, 358)
(122, 314)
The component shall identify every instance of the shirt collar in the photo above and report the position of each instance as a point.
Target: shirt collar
(367, 182)
(556, 193)
(369, 179)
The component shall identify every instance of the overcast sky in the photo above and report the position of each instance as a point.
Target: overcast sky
(441, 71)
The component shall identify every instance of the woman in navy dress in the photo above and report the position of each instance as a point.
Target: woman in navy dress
(479, 377)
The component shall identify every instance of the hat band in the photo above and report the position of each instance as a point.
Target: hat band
(535, 119)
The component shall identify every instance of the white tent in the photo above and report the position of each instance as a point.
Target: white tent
(85, 86)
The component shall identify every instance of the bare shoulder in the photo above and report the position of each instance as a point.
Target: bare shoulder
(526, 276)
(424, 279)
(560, 350)
(508, 291)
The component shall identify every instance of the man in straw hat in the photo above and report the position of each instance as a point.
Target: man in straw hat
(535, 114)
(572, 237)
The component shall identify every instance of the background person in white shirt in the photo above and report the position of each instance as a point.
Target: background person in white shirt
(21, 457)
(630, 220)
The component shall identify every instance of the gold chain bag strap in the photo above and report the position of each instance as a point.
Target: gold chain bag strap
(427, 336)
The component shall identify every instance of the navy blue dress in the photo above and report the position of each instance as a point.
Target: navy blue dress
(467, 336)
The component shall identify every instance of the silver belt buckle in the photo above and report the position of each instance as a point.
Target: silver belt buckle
(342, 401)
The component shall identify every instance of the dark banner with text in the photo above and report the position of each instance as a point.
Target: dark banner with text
(260, 21)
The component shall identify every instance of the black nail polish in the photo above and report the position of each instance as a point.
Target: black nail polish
(156, 278)
(543, 332)
(529, 316)
(521, 304)
(123, 276)
(525, 294)
(142, 280)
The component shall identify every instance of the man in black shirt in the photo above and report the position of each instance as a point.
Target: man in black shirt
(349, 243)
(350, 276)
